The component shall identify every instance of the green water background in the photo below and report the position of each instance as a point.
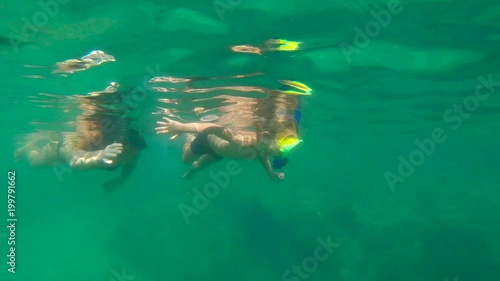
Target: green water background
(441, 223)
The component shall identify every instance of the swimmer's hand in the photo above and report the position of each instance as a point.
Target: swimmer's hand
(277, 176)
(109, 154)
(169, 127)
(90, 159)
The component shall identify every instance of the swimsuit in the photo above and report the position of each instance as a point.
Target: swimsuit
(201, 146)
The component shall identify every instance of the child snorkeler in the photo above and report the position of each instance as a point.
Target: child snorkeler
(214, 142)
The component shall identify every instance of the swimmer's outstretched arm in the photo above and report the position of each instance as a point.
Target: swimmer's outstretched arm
(175, 127)
(277, 176)
(80, 159)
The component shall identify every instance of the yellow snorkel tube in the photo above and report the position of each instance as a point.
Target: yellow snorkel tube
(286, 145)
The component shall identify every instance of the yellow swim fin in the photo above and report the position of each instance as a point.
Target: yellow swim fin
(296, 85)
(284, 45)
(291, 92)
(289, 46)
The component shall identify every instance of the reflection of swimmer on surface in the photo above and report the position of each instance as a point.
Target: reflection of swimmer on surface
(92, 59)
(71, 66)
(271, 45)
(103, 139)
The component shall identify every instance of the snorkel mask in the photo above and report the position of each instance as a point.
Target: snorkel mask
(286, 145)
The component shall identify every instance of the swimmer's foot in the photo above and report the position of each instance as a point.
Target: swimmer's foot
(25, 152)
(202, 162)
(189, 174)
(31, 147)
(19, 154)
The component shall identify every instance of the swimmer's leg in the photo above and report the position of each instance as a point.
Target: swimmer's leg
(40, 149)
(23, 152)
(126, 171)
(187, 155)
(29, 146)
(204, 161)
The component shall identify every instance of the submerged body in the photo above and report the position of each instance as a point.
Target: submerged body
(245, 128)
(221, 142)
(102, 139)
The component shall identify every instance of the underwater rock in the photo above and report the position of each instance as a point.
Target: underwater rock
(182, 19)
(488, 17)
(392, 56)
(172, 55)
(408, 59)
(4, 41)
(277, 8)
(331, 60)
(83, 30)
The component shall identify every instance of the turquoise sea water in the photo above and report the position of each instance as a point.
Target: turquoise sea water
(398, 168)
